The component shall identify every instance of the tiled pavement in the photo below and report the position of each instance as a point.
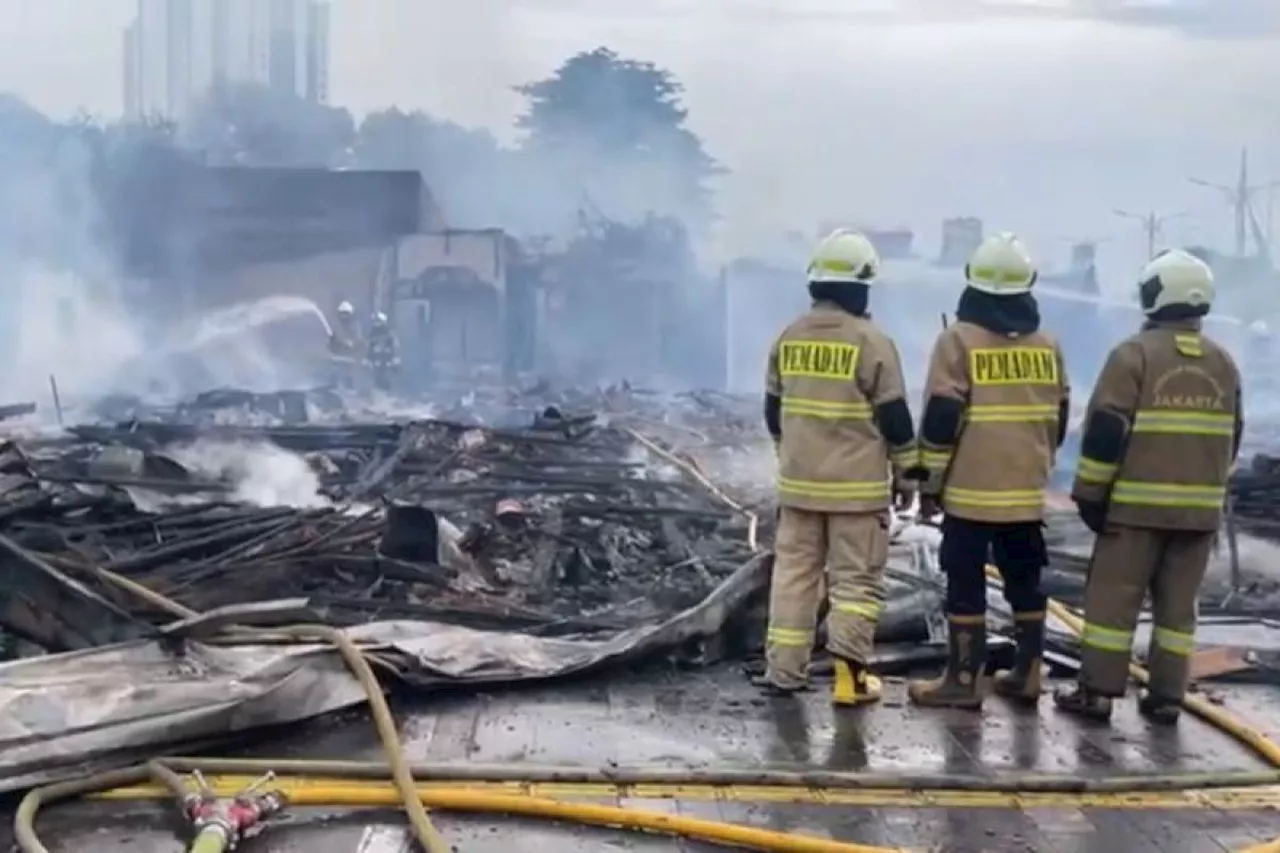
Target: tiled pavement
(715, 718)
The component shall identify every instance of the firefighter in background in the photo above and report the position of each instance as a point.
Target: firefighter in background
(1161, 433)
(996, 410)
(835, 404)
(344, 336)
(384, 352)
(344, 343)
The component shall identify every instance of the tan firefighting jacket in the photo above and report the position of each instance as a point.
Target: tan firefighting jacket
(1177, 392)
(831, 370)
(1012, 388)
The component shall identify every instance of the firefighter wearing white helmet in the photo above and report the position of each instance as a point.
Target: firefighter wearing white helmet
(344, 337)
(996, 409)
(844, 257)
(1161, 433)
(835, 404)
(384, 352)
(1001, 266)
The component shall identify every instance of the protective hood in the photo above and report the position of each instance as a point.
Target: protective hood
(1005, 315)
(848, 297)
(1181, 323)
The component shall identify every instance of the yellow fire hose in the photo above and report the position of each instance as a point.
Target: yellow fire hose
(426, 834)
(346, 785)
(1254, 739)
(346, 792)
(1242, 732)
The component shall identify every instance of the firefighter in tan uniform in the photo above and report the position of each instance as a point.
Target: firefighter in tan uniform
(835, 404)
(996, 408)
(1161, 433)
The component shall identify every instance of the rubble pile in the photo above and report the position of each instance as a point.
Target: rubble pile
(566, 525)
(1255, 495)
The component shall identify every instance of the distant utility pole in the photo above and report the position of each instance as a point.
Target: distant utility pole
(1152, 224)
(1240, 197)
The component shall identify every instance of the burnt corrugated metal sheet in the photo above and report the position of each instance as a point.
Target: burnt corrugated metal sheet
(196, 220)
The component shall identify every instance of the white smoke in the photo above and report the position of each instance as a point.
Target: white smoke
(262, 474)
(66, 327)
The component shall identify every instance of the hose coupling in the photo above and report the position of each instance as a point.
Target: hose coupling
(231, 820)
(214, 833)
(246, 813)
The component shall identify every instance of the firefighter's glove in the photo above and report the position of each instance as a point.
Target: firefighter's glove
(930, 507)
(1093, 514)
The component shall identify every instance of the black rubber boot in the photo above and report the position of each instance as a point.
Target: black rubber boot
(1159, 709)
(960, 686)
(1023, 683)
(1083, 702)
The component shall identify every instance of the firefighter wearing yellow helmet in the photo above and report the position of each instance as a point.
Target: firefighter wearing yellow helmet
(1161, 433)
(835, 404)
(996, 408)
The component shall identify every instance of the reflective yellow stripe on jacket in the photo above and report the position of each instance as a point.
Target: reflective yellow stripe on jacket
(937, 461)
(1092, 471)
(994, 498)
(1173, 495)
(1176, 495)
(1035, 413)
(809, 408)
(1179, 422)
(851, 490)
(839, 491)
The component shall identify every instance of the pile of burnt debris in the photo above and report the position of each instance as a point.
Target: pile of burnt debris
(563, 524)
(1255, 495)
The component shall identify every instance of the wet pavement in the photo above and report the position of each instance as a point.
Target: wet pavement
(715, 718)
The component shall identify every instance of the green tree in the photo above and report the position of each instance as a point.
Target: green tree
(477, 181)
(613, 131)
(250, 125)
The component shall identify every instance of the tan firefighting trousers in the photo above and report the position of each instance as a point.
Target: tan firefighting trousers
(853, 549)
(1127, 563)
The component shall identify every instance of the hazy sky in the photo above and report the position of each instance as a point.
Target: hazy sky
(1040, 126)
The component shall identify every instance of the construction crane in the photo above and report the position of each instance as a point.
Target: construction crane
(1152, 225)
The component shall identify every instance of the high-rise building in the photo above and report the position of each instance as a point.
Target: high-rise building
(175, 51)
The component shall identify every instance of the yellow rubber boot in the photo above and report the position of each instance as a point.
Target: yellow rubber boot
(853, 685)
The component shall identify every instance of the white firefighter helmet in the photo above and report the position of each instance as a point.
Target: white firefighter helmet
(1175, 277)
(1259, 328)
(844, 256)
(1001, 266)
(379, 319)
(346, 308)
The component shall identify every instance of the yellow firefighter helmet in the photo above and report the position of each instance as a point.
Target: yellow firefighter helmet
(844, 256)
(1001, 266)
(1175, 277)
